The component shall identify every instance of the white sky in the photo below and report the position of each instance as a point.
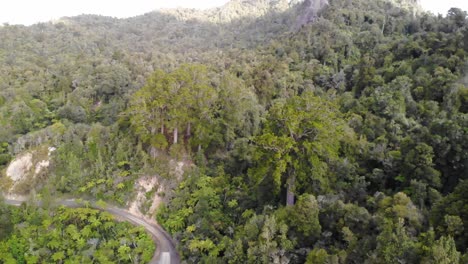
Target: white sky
(442, 6)
(32, 11)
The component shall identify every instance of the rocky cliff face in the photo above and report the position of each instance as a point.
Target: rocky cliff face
(413, 5)
(311, 9)
(234, 10)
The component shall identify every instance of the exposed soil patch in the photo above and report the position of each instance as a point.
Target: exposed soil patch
(26, 170)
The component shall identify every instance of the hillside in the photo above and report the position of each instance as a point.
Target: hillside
(263, 131)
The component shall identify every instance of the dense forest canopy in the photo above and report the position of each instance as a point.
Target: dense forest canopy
(310, 131)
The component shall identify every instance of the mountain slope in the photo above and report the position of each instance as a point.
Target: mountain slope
(303, 136)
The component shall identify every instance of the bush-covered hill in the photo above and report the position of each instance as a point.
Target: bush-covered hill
(317, 131)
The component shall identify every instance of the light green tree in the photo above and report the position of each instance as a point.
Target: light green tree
(444, 251)
(301, 137)
(171, 101)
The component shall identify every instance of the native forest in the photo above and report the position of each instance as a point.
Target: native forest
(262, 131)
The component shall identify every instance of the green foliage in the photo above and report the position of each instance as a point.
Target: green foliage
(400, 208)
(199, 210)
(185, 105)
(72, 235)
(449, 215)
(370, 121)
(304, 216)
(358, 110)
(267, 240)
(317, 255)
(5, 159)
(96, 160)
(300, 139)
(444, 251)
(172, 101)
(394, 244)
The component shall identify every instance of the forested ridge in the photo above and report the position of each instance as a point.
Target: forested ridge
(310, 131)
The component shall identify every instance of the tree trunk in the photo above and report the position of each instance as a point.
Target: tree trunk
(162, 128)
(383, 24)
(189, 131)
(176, 133)
(153, 152)
(290, 190)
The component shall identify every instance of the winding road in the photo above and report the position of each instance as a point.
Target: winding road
(165, 253)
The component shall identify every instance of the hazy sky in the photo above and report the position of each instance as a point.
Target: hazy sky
(31, 11)
(442, 6)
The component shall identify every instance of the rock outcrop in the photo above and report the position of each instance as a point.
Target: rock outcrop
(310, 11)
